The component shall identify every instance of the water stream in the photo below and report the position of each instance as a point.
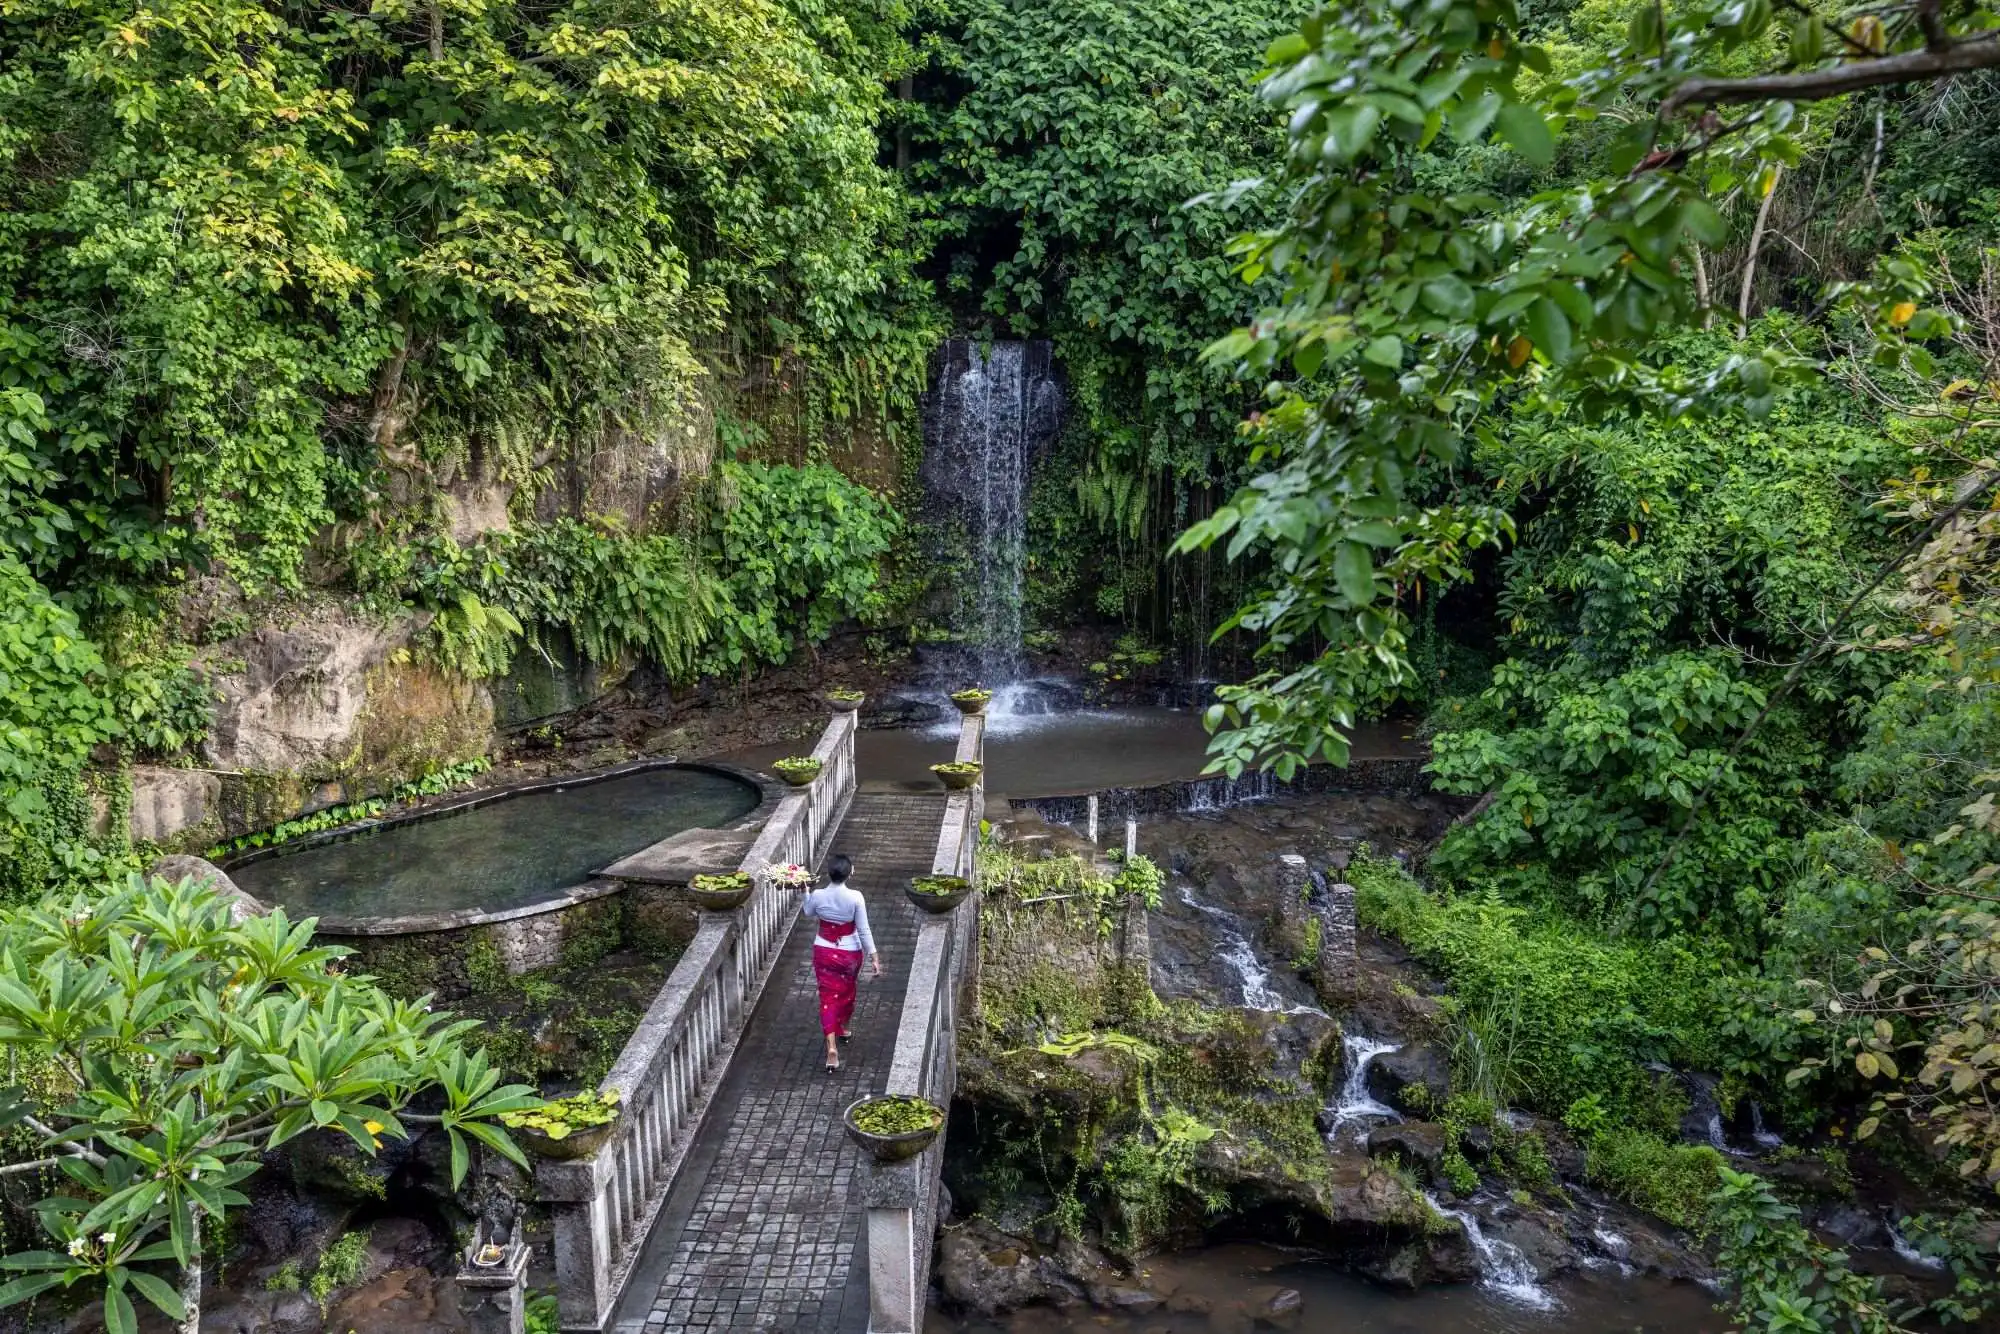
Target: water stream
(1224, 1289)
(1502, 1267)
(1907, 1252)
(1356, 1105)
(1241, 956)
(1766, 1139)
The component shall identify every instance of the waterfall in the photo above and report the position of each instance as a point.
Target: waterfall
(1502, 1267)
(991, 408)
(1356, 1104)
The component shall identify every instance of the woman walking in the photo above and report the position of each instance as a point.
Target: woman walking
(838, 949)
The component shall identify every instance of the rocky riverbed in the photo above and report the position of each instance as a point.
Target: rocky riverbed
(1237, 1101)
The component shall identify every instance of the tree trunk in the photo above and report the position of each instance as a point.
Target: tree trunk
(384, 419)
(437, 33)
(1701, 292)
(191, 1278)
(1756, 242)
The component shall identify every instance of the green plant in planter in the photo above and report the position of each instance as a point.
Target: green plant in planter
(972, 699)
(727, 883)
(897, 1115)
(565, 1116)
(940, 885)
(957, 773)
(845, 696)
(797, 770)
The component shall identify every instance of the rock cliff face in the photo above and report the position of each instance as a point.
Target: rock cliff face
(298, 695)
(167, 802)
(323, 706)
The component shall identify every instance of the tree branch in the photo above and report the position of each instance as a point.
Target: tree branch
(1931, 26)
(73, 1150)
(1812, 85)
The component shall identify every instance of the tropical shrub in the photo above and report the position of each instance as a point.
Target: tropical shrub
(54, 708)
(1582, 1015)
(183, 1045)
(1592, 777)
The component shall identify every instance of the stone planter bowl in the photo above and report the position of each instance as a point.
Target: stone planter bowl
(938, 903)
(972, 705)
(798, 777)
(957, 781)
(577, 1144)
(887, 1148)
(722, 900)
(841, 705)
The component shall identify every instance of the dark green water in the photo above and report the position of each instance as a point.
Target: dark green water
(506, 854)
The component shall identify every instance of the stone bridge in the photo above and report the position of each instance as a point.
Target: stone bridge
(729, 1197)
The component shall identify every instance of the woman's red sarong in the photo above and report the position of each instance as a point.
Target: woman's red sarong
(836, 971)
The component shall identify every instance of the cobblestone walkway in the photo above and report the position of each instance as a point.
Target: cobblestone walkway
(763, 1226)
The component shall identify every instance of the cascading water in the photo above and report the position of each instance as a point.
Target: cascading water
(991, 409)
(1908, 1253)
(1357, 1105)
(1219, 794)
(1241, 956)
(1765, 1139)
(1502, 1267)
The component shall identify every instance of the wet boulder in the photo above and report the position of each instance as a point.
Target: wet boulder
(1850, 1225)
(982, 1270)
(1415, 1078)
(1539, 1236)
(1442, 1253)
(1419, 1144)
(1280, 1309)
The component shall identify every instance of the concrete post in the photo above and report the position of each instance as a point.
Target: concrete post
(1135, 961)
(494, 1298)
(1334, 967)
(892, 1272)
(1090, 805)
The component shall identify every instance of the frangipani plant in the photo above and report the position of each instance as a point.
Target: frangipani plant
(183, 1045)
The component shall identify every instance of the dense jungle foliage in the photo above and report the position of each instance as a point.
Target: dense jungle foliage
(282, 290)
(1613, 386)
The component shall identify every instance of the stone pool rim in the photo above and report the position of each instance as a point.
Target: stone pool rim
(769, 792)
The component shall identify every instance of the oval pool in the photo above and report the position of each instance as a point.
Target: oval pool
(494, 854)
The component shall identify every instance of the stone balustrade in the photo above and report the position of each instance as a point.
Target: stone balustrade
(605, 1205)
(900, 1199)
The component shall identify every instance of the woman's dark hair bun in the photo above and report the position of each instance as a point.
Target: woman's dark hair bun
(838, 868)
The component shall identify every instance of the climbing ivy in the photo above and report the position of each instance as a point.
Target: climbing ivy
(54, 708)
(795, 551)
